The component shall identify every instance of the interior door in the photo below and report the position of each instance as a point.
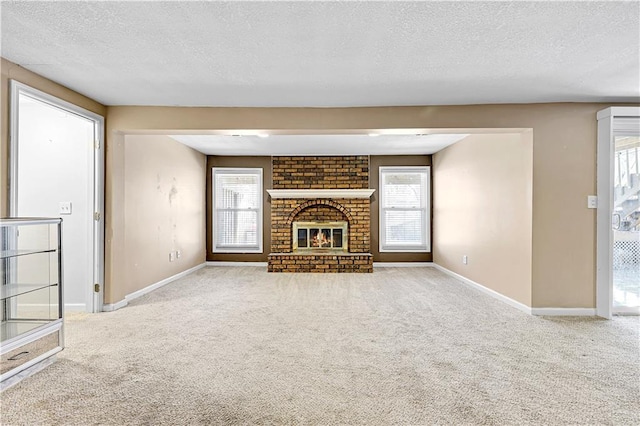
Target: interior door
(56, 171)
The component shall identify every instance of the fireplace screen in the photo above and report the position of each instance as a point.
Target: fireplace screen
(320, 236)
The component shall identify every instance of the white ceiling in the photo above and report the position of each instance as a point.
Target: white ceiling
(319, 144)
(360, 53)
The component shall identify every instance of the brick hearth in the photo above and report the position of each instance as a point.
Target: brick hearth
(344, 262)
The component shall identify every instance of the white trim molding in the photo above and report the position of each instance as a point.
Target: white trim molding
(95, 246)
(566, 312)
(219, 263)
(423, 207)
(76, 307)
(624, 111)
(571, 312)
(110, 307)
(320, 193)
(509, 301)
(234, 208)
(403, 264)
(612, 122)
(129, 297)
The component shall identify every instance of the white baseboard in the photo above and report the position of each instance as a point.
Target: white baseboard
(485, 290)
(403, 264)
(75, 307)
(110, 307)
(220, 263)
(567, 312)
(577, 312)
(129, 297)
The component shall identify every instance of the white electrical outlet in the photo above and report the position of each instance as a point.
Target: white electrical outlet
(178, 254)
(592, 202)
(172, 256)
(465, 260)
(64, 207)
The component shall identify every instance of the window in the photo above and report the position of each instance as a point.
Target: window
(404, 209)
(237, 210)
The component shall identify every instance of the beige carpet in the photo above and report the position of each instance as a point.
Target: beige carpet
(399, 346)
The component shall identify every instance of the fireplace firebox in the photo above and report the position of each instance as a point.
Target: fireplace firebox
(320, 236)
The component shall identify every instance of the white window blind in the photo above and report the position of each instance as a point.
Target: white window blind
(237, 210)
(404, 209)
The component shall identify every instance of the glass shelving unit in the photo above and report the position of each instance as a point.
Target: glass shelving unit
(30, 293)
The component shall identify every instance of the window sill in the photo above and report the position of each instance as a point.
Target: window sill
(237, 251)
(404, 250)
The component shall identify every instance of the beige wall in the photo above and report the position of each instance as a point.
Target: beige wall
(564, 168)
(10, 71)
(482, 189)
(164, 211)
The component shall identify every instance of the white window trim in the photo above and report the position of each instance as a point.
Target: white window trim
(427, 216)
(608, 128)
(235, 170)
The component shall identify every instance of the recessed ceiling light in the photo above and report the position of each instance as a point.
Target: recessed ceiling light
(373, 135)
(263, 135)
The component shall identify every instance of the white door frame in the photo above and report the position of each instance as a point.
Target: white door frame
(606, 133)
(97, 176)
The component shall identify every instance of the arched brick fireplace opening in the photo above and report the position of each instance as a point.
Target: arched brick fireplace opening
(320, 210)
(320, 226)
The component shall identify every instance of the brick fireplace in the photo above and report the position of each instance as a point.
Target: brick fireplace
(326, 191)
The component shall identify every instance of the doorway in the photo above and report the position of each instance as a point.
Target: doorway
(56, 160)
(618, 279)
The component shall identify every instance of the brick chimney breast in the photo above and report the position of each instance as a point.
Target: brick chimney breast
(321, 173)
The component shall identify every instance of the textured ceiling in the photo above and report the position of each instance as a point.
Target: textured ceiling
(329, 53)
(319, 144)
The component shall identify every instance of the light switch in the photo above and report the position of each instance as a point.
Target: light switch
(65, 207)
(592, 202)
